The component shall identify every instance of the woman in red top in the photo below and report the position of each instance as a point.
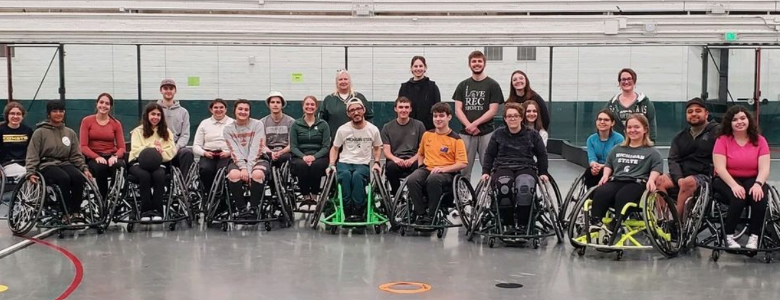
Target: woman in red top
(102, 142)
(741, 161)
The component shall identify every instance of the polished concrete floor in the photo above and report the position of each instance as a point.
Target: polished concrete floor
(300, 263)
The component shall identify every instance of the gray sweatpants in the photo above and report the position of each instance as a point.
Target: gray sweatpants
(475, 145)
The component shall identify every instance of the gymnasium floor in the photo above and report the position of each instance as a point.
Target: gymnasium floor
(299, 263)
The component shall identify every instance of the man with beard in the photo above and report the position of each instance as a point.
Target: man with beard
(690, 156)
(476, 103)
(401, 138)
(360, 140)
(178, 119)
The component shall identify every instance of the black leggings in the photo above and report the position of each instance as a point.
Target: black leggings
(394, 172)
(309, 176)
(615, 194)
(146, 181)
(591, 180)
(102, 172)
(736, 205)
(208, 170)
(70, 182)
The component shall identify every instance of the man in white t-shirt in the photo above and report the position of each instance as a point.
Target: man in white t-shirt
(360, 140)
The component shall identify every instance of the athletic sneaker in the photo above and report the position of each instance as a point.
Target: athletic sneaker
(731, 243)
(752, 242)
(157, 218)
(146, 219)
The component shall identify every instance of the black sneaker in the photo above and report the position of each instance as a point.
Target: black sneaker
(246, 214)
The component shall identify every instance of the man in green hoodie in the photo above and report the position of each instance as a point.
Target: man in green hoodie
(178, 120)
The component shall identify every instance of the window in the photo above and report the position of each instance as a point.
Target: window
(494, 53)
(526, 53)
(2, 51)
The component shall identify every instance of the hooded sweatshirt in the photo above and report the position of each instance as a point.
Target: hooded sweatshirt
(424, 94)
(691, 155)
(641, 105)
(507, 150)
(310, 140)
(178, 120)
(138, 143)
(52, 145)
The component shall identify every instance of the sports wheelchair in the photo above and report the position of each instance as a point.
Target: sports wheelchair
(460, 195)
(219, 207)
(489, 222)
(41, 205)
(330, 206)
(289, 189)
(705, 228)
(651, 223)
(576, 192)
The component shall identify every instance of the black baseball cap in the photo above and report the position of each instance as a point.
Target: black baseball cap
(697, 101)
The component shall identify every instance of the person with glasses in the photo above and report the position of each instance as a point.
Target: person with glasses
(599, 145)
(516, 156)
(14, 138)
(629, 101)
(334, 109)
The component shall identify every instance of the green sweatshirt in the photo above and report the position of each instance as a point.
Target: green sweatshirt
(53, 146)
(334, 111)
(306, 140)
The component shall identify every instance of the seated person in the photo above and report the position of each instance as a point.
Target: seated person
(151, 144)
(359, 139)
(741, 161)
(630, 169)
(599, 145)
(210, 143)
(277, 130)
(309, 144)
(244, 138)
(103, 143)
(54, 152)
(14, 138)
(690, 157)
(515, 156)
(441, 156)
(401, 138)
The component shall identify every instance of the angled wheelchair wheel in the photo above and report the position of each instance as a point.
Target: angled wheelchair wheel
(113, 198)
(576, 192)
(399, 212)
(696, 215)
(548, 190)
(26, 205)
(284, 202)
(94, 207)
(464, 199)
(579, 221)
(323, 201)
(379, 188)
(662, 223)
(481, 215)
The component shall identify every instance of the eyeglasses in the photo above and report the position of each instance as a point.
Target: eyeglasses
(626, 79)
(603, 120)
(356, 109)
(512, 117)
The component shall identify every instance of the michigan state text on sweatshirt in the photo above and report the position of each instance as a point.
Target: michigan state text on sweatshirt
(633, 164)
(245, 142)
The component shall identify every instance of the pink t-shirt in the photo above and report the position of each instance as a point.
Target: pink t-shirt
(741, 161)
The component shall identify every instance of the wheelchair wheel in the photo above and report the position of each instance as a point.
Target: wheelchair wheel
(284, 202)
(323, 201)
(379, 188)
(480, 209)
(579, 221)
(773, 220)
(662, 222)
(113, 197)
(26, 205)
(696, 216)
(94, 208)
(551, 213)
(400, 209)
(464, 199)
(576, 192)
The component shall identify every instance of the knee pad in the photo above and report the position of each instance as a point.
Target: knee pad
(505, 186)
(526, 187)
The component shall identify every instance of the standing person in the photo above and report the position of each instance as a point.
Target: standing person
(277, 130)
(14, 138)
(245, 140)
(476, 103)
(422, 91)
(522, 92)
(210, 143)
(309, 144)
(151, 145)
(690, 157)
(599, 145)
(334, 108)
(401, 138)
(741, 160)
(178, 119)
(54, 152)
(361, 142)
(532, 120)
(103, 142)
(628, 101)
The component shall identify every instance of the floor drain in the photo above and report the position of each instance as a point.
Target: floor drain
(509, 285)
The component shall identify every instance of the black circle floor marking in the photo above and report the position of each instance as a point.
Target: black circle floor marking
(509, 285)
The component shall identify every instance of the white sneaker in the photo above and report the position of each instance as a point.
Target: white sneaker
(731, 243)
(752, 242)
(145, 219)
(156, 218)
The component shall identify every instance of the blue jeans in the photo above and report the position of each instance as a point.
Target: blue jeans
(353, 180)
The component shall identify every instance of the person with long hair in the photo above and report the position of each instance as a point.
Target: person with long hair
(102, 142)
(629, 101)
(14, 138)
(741, 161)
(532, 119)
(599, 145)
(631, 168)
(422, 91)
(334, 106)
(522, 92)
(210, 143)
(151, 145)
(54, 152)
(245, 139)
(309, 145)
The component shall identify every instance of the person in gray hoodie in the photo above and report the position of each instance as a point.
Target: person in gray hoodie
(178, 119)
(54, 151)
(628, 101)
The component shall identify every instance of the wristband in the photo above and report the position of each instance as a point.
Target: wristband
(760, 184)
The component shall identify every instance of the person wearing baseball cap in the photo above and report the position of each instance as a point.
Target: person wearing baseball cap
(277, 130)
(178, 119)
(690, 156)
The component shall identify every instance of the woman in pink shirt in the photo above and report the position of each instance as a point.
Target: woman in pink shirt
(741, 161)
(102, 142)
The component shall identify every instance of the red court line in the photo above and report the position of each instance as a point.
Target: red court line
(76, 264)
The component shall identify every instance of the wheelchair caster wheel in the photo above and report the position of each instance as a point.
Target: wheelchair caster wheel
(60, 235)
(224, 226)
(469, 235)
(492, 242)
(172, 227)
(715, 255)
(535, 243)
(440, 233)
(767, 257)
(189, 222)
(403, 231)
(333, 229)
(581, 251)
(130, 227)
(267, 226)
(377, 229)
(100, 229)
(619, 255)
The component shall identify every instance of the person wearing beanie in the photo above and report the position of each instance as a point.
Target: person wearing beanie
(152, 134)
(245, 139)
(277, 130)
(179, 120)
(54, 152)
